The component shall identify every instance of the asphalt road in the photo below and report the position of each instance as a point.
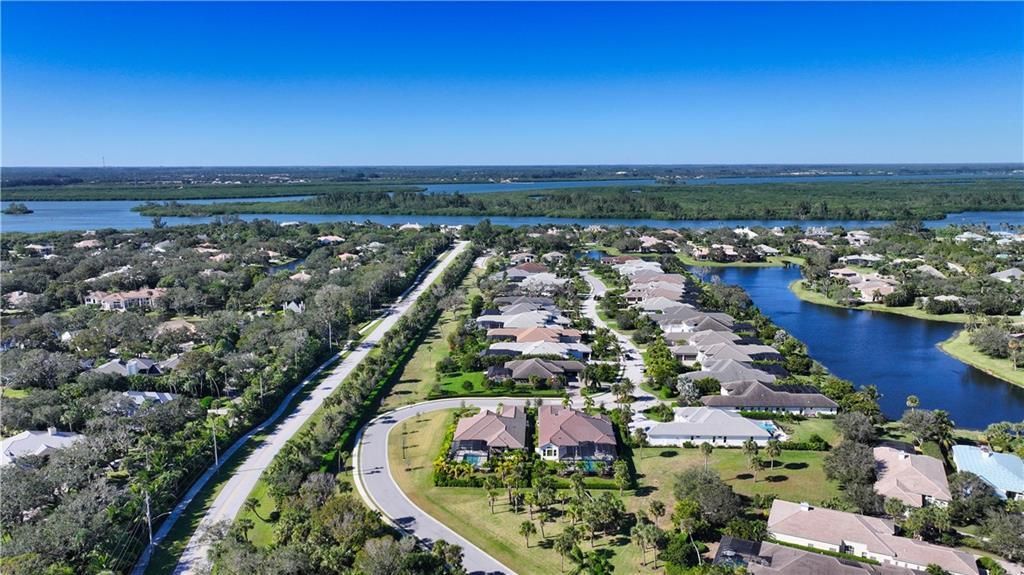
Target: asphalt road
(237, 489)
(378, 487)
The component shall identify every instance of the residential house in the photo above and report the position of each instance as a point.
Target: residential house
(863, 536)
(330, 240)
(859, 238)
(766, 250)
(969, 237)
(698, 425)
(914, 479)
(488, 432)
(537, 318)
(574, 350)
(552, 257)
(765, 558)
(121, 301)
(729, 371)
(570, 435)
(532, 334)
(33, 442)
(521, 258)
(523, 370)
(1009, 275)
(761, 396)
(861, 259)
(1003, 471)
(134, 366)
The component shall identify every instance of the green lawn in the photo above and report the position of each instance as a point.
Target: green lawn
(959, 346)
(803, 430)
(452, 385)
(798, 475)
(801, 291)
(466, 511)
(770, 262)
(14, 393)
(419, 374)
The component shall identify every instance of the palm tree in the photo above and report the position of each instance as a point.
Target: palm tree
(750, 449)
(564, 544)
(621, 475)
(251, 504)
(640, 440)
(706, 449)
(639, 536)
(913, 401)
(773, 450)
(526, 529)
(657, 510)
(566, 402)
(544, 517)
(244, 525)
(755, 464)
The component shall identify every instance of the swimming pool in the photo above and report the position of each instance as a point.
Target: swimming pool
(768, 426)
(474, 459)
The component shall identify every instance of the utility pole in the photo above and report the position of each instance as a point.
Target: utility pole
(213, 434)
(149, 519)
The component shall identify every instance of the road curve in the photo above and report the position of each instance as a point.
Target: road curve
(235, 491)
(378, 487)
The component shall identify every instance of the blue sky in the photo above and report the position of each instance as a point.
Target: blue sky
(460, 83)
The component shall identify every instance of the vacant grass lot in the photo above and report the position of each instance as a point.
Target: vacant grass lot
(959, 346)
(466, 511)
(798, 475)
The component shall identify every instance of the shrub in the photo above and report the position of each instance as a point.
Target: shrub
(813, 443)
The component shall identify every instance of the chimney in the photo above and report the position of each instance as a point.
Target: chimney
(51, 431)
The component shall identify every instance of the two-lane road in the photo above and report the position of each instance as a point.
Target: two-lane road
(378, 487)
(235, 491)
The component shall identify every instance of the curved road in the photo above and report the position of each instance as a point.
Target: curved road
(235, 491)
(378, 487)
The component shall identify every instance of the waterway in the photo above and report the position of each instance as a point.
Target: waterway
(898, 354)
(51, 216)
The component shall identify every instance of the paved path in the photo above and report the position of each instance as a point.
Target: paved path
(378, 488)
(237, 489)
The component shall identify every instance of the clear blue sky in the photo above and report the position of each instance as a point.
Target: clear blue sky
(357, 84)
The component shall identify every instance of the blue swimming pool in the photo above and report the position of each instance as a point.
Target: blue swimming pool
(474, 459)
(768, 426)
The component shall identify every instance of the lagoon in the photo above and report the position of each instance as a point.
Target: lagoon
(898, 354)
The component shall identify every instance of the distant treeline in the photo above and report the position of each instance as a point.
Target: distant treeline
(810, 201)
(157, 192)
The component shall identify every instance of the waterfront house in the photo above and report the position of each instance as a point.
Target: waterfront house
(868, 537)
(488, 432)
(1003, 471)
(698, 425)
(570, 435)
(914, 479)
(753, 395)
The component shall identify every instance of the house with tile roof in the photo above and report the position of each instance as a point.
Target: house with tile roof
(916, 480)
(488, 432)
(765, 558)
(33, 442)
(868, 537)
(570, 435)
(753, 395)
(698, 425)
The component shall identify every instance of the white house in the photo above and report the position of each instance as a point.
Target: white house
(705, 425)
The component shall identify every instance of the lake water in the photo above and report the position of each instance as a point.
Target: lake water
(898, 354)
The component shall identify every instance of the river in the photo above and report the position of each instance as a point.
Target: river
(898, 354)
(52, 216)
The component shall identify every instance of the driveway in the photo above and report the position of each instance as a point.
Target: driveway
(237, 489)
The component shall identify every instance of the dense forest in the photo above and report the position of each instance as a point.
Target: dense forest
(248, 310)
(810, 201)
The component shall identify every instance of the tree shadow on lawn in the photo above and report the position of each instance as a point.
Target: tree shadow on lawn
(668, 454)
(776, 478)
(794, 466)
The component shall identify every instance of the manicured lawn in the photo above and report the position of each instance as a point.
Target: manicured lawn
(798, 475)
(803, 430)
(770, 262)
(810, 296)
(452, 385)
(959, 346)
(466, 511)
(419, 374)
